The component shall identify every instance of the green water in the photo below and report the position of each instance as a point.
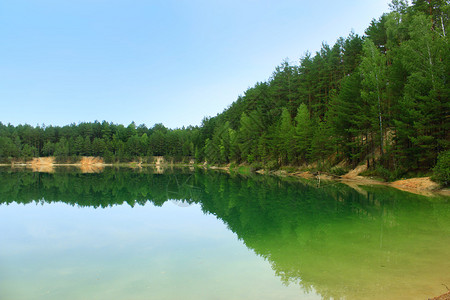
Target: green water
(208, 235)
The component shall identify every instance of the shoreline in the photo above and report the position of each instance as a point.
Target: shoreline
(418, 185)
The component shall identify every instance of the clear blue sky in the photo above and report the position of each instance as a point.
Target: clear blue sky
(170, 62)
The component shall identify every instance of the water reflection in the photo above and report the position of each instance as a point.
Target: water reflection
(375, 243)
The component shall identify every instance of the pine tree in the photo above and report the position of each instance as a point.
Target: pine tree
(373, 73)
(286, 141)
(250, 129)
(303, 133)
(422, 129)
(321, 145)
(343, 116)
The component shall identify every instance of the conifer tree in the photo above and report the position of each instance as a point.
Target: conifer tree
(423, 127)
(303, 133)
(373, 73)
(285, 138)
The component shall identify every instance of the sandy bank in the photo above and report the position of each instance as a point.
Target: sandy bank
(87, 164)
(445, 296)
(422, 185)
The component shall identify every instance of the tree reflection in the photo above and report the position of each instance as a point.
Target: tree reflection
(372, 243)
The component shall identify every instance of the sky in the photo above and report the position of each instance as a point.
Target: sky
(171, 62)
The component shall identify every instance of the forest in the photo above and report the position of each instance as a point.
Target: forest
(380, 99)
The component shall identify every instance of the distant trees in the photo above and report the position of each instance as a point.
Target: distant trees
(111, 141)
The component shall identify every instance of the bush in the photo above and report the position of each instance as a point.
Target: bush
(442, 168)
(289, 169)
(244, 170)
(272, 165)
(256, 166)
(384, 173)
(338, 171)
(6, 160)
(399, 173)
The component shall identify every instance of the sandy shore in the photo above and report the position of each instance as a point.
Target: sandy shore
(420, 185)
(445, 296)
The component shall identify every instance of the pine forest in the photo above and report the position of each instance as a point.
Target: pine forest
(381, 99)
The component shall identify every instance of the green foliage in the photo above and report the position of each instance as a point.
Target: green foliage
(384, 173)
(7, 149)
(424, 125)
(384, 96)
(303, 133)
(373, 93)
(321, 146)
(257, 166)
(441, 172)
(285, 138)
(244, 170)
(28, 151)
(272, 165)
(344, 116)
(338, 171)
(289, 169)
(113, 142)
(61, 149)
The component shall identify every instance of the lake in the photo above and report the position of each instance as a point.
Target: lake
(183, 234)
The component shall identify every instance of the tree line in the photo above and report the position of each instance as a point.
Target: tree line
(381, 98)
(113, 142)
